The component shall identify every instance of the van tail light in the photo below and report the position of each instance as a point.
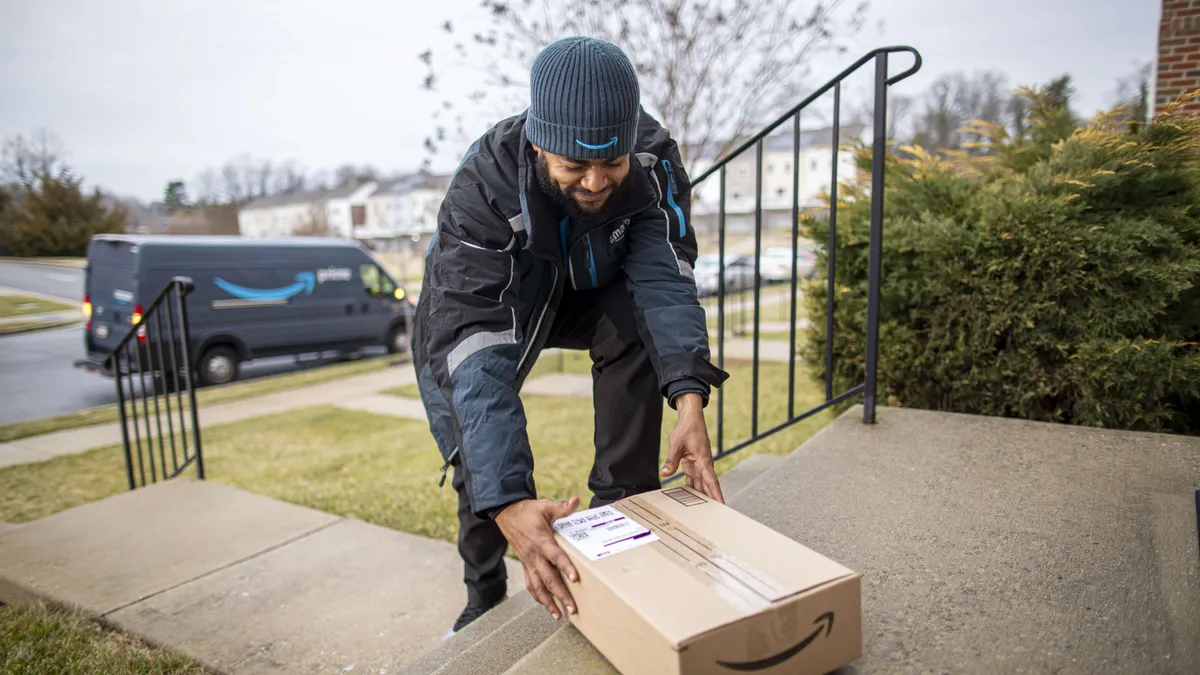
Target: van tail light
(136, 319)
(87, 310)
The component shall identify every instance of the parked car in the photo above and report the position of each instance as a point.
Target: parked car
(739, 274)
(776, 263)
(253, 298)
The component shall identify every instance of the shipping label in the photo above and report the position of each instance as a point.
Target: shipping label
(600, 532)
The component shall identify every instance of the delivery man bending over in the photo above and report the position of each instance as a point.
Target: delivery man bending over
(565, 226)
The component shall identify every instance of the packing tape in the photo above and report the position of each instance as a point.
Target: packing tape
(731, 579)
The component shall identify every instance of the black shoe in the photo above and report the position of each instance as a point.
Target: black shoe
(469, 614)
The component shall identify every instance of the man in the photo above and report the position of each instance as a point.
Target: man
(565, 226)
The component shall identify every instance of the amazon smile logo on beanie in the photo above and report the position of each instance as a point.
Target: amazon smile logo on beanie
(584, 100)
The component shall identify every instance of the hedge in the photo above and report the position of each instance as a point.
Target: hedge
(1054, 280)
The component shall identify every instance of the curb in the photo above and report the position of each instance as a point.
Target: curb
(32, 327)
(44, 262)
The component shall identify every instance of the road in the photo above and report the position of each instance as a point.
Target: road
(37, 375)
(62, 282)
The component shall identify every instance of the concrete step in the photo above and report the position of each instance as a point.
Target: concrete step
(737, 479)
(451, 648)
(565, 651)
(496, 652)
(7, 527)
(531, 642)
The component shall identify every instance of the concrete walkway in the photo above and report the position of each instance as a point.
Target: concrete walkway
(242, 583)
(333, 392)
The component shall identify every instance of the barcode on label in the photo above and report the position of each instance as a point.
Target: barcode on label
(578, 536)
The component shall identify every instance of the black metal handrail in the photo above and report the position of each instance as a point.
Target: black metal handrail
(868, 387)
(165, 354)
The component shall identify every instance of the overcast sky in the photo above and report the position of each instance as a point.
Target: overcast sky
(145, 91)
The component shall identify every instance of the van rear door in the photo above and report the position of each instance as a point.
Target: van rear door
(111, 287)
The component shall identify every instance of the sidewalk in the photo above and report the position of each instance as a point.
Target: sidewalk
(74, 441)
(241, 582)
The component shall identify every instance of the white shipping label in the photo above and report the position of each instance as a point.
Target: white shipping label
(600, 532)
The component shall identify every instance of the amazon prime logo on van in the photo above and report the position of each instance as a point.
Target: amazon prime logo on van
(305, 282)
(334, 274)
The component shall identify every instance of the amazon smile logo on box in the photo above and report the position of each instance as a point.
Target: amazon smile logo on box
(824, 623)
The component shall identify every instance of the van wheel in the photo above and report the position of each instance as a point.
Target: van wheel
(218, 366)
(397, 341)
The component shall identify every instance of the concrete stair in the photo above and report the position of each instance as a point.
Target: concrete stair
(987, 546)
(519, 636)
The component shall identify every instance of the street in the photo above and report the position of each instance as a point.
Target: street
(37, 375)
(61, 282)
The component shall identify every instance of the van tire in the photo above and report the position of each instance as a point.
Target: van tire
(219, 365)
(397, 340)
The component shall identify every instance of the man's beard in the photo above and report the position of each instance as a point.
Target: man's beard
(567, 203)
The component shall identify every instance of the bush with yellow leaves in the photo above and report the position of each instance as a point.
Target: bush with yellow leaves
(1052, 276)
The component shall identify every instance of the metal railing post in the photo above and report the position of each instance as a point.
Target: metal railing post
(875, 255)
(184, 287)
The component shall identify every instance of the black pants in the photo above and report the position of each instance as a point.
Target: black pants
(628, 409)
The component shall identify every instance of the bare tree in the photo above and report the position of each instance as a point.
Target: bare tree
(28, 160)
(713, 71)
(954, 100)
(289, 178)
(208, 188)
(1133, 91)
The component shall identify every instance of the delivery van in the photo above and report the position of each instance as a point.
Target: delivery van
(253, 298)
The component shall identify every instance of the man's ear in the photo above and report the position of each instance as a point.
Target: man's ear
(536, 149)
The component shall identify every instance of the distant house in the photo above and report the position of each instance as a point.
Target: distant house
(817, 158)
(402, 209)
(321, 212)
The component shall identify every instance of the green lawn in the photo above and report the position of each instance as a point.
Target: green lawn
(40, 640)
(382, 469)
(233, 391)
(23, 305)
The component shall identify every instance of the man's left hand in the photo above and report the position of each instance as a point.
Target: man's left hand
(690, 448)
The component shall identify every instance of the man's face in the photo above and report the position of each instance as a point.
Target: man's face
(584, 187)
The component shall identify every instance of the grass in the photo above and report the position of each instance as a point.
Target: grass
(15, 327)
(234, 391)
(23, 305)
(44, 640)
(385, 470)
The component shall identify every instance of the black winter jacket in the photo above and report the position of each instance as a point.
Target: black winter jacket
(495, 272)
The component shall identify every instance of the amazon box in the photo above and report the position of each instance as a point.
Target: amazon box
(673, 582)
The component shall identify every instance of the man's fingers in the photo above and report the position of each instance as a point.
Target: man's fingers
(564, 509)
(563, 563)
(553, 581)
(674, 452)
(712, 485)
(537, 588)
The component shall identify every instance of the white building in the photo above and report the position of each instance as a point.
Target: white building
(816, 165)
(327, 212)
(403, 209)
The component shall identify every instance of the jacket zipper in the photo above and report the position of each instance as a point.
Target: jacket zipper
(537, 329)
(446, 467)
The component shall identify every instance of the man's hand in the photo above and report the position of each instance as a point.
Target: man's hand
(529, 527)
(690, 447)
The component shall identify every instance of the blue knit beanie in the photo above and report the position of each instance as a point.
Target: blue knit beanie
(584, 100)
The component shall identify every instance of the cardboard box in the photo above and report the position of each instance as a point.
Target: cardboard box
(672, 582)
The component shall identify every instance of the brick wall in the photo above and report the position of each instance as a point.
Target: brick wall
(1178, 52)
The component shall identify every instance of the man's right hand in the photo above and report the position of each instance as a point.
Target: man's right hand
(529, 527)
